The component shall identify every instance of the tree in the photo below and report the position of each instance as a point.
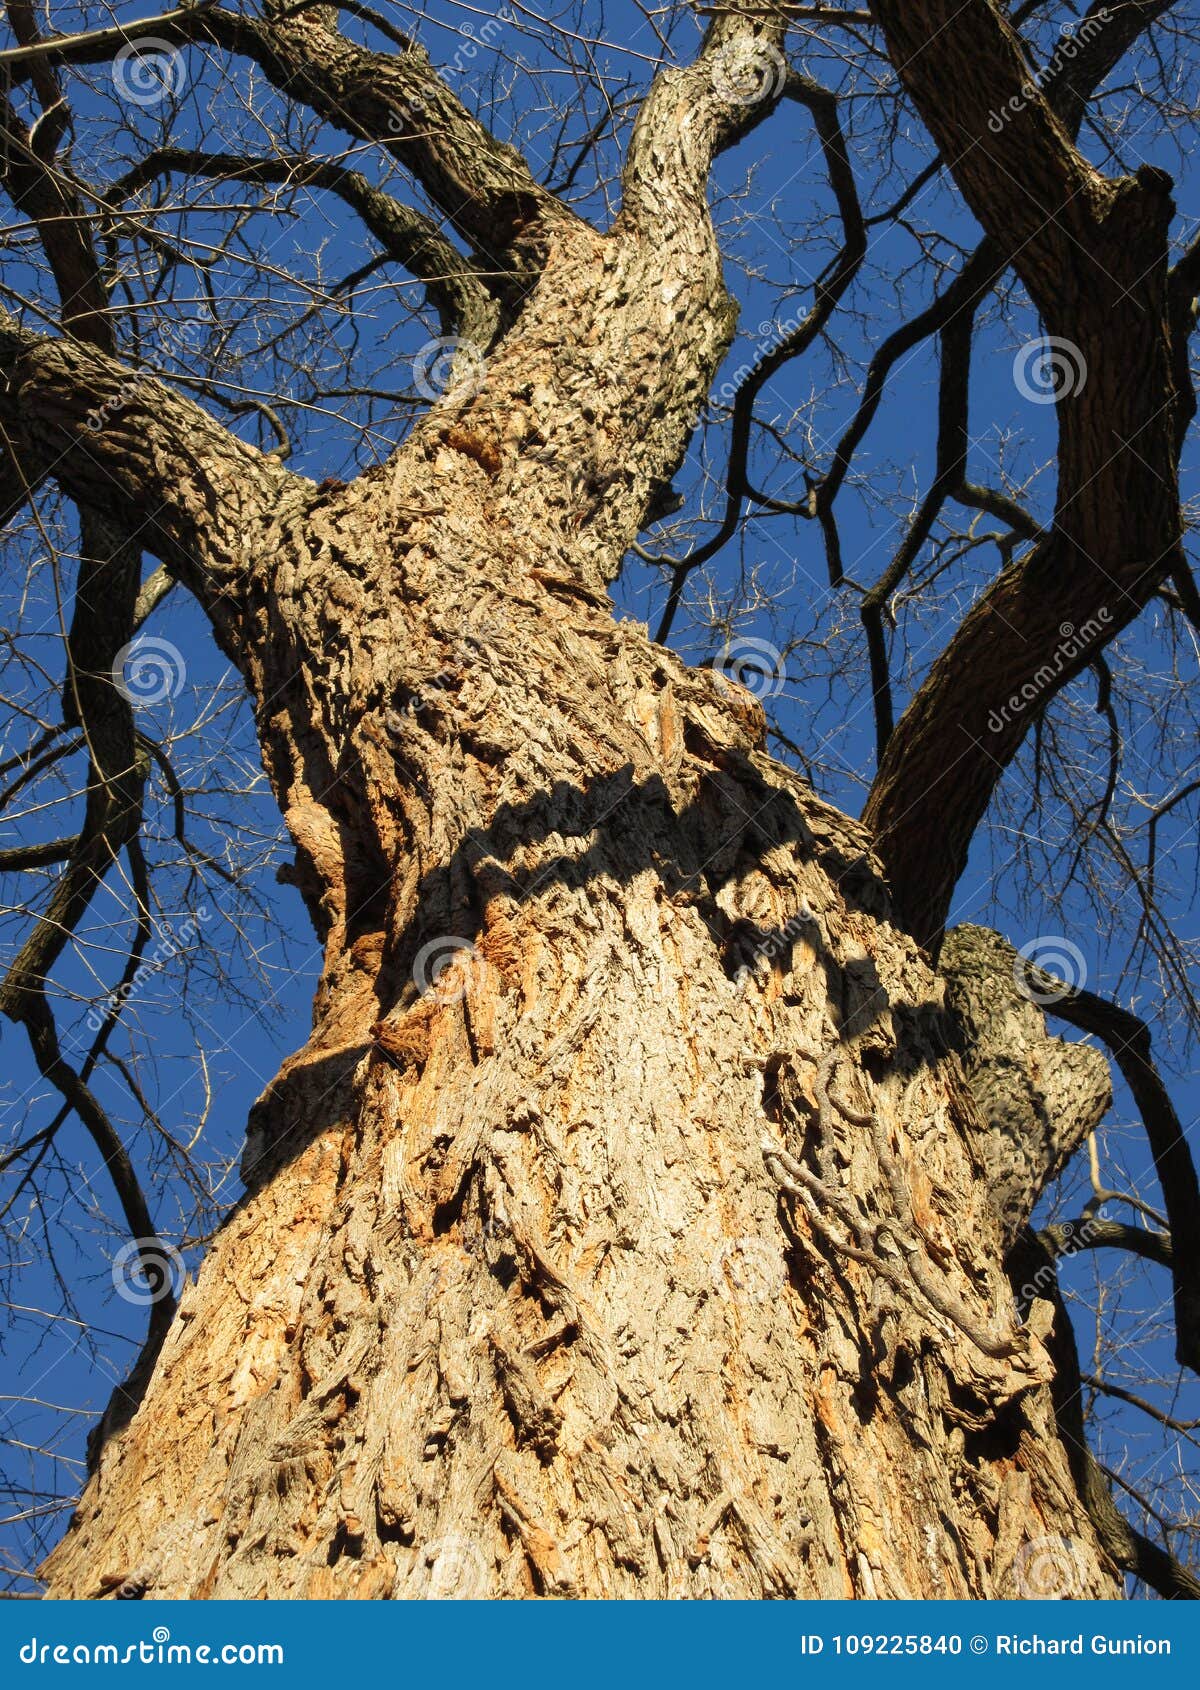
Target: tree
(648, 1211)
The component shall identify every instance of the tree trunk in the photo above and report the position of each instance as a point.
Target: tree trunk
(623, 1227)
(518, 1305)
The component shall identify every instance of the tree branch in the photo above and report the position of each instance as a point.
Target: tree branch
(454, 286)
(482, 186)
(1033, 1264)
(1093, 48)
(74, 49)
(1128, 1038)
(823, 106)
(949, 474)
(20, 857)
(1038, 1097)
(695, 112)
(1092, 253)
(1094, 1234)
(185, 487)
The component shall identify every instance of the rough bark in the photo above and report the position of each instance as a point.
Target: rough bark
(519, 1300)
(596, 1266)
(1038, 1097)
(647, 1249)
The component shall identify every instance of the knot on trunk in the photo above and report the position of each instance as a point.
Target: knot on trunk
(1038, 1097)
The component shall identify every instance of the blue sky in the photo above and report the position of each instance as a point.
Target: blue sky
(248, 984)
